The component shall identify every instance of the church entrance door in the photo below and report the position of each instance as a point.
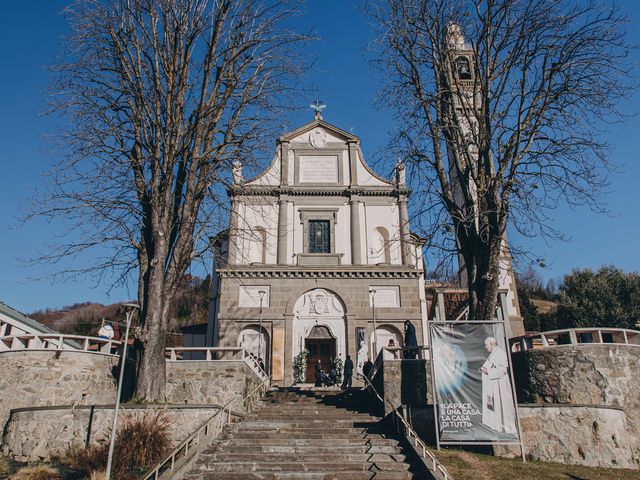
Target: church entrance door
(323, 349)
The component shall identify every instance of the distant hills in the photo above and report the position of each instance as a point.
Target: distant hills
(189, 308)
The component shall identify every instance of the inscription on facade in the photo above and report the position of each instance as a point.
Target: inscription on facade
(318, 169)
(250, 296)
(385, 296)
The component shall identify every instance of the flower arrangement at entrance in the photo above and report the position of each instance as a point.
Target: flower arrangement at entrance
(338, 364)
(300, 366)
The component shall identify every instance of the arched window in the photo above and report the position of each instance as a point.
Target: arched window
(463, 68)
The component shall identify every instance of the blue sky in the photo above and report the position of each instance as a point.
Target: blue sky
(29, 36)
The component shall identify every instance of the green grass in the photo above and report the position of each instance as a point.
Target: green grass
(473, 466)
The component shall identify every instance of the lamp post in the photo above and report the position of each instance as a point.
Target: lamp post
(375, 330)
(131, 308)
(261, 293)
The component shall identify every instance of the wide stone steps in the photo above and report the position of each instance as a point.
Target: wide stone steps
(307, 436)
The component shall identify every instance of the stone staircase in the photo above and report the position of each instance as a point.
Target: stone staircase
(310, 435)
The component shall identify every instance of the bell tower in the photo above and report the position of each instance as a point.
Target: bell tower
(466, 102)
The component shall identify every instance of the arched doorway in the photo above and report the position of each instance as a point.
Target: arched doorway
(321, 345)
(256, 342)
(319, 325)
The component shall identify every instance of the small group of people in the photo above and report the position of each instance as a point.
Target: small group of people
(324, 379)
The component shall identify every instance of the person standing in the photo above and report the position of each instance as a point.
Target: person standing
(347, 373)
(410, 341)
(367, 367)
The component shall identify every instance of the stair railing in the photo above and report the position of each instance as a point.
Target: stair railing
(437, 469)
(188, 450)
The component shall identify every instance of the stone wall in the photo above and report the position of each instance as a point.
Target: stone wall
(38, 434)
(584, 435)
(585, 374)
(43, 378)
(201, 382)
(403, 382)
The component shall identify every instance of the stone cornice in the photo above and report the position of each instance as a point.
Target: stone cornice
(317, 191)
(306, 272)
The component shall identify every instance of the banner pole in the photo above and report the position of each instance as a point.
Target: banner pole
(513, 389)
(434, 395)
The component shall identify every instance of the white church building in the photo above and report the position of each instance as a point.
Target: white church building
(314, 243)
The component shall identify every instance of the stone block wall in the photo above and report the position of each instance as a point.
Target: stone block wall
(43, 378)
(202, 383)
(285, 291)
(404, 382)
(585, 374)
(585, 435)
(38, 434)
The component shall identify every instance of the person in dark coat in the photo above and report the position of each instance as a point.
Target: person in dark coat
(318, 373)
(367, 367)
(347, 373)
(410, 340)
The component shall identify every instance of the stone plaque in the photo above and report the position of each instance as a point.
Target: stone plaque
(318, 169)
(385, 296)
(250, 296)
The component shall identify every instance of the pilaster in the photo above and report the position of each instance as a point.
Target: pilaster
(405, 236)
(356, 243)
(283, 224)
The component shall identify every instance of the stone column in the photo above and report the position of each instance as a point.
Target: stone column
(356, 244)
(283, 236)
(405, 237)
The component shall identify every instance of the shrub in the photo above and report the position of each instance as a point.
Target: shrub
(98, 475)
(6, 466)
(37, 472)
(140, 443)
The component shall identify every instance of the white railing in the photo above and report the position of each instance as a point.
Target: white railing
(187, 451)
(575, 336)
(208, 354)
(60, 342)
(437, 469)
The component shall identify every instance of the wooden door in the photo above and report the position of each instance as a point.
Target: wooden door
(322, 349)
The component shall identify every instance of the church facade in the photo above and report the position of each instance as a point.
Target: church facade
(318, 251)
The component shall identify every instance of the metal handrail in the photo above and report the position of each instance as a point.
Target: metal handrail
(209, 430)
(574, 336)
(436, 468)
(43, 341)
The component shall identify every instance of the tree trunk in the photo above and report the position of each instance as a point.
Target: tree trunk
(483, 283)
(150, 384)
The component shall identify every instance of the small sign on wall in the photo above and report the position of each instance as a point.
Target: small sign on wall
(250, 296)
(385, 296)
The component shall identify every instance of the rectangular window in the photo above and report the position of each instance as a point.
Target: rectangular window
(319, 236)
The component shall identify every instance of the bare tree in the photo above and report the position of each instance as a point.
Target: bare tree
(498, 103)
(160, 97)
